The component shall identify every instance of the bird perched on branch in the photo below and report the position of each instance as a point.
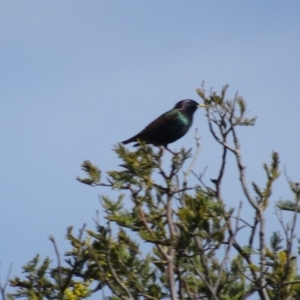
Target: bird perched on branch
(169, 127)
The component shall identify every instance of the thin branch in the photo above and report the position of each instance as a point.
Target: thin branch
(253, 231)
(76, 264)
(241, 168)
(221, 172)
(279, 216)
(203, 257)
(211, 129)
(204, 279)
(151, 232)
(171, 254)
(170, 219)
(261, 289)
(291, 237)
(107, 281)
(262, 253)
(193, 162)
(52, 239)
(3, 287)
(228, 248)
(246, 276)
(245, 222)
(291, 282)
(111, 268)
(171, 250)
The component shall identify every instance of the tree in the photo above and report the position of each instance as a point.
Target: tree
(165, 239)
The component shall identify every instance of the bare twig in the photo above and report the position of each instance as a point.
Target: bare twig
(4, 286)
(193, 162)
(253, 231)
(211, 129)
(52, 239)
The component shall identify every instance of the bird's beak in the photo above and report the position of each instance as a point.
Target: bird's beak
(201, 105)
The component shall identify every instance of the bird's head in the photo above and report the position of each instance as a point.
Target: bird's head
(188, 104)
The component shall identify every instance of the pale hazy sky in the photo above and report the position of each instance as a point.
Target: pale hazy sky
(79, 76)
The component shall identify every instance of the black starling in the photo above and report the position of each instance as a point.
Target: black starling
(169, 127)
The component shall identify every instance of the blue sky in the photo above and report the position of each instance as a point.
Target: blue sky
(77, 77)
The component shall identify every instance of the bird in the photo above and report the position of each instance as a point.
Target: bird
(169, 127)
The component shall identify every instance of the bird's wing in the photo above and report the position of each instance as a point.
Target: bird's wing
(161, 120)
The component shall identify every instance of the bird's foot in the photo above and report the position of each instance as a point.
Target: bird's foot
(174, 153)
(161, 150)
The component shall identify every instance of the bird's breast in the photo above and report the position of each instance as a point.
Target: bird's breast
(184, 120)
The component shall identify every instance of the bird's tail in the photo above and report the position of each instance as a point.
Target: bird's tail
(129, 141)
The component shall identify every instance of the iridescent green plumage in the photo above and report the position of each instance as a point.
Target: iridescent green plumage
(168, 127)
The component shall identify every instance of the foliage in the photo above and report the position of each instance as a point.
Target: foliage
(162, 238)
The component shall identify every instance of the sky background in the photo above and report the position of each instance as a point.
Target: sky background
(77, 77)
